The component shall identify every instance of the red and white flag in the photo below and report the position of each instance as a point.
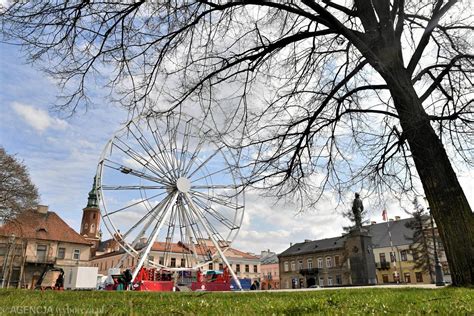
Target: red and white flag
(384, 215)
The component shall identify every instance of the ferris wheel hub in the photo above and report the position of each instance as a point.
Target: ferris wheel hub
(183, 185)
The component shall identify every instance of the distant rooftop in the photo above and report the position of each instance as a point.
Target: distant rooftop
(401, 235)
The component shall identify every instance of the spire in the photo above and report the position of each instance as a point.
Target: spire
(92, 200)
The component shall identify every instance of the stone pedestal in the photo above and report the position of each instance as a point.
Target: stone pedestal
(361, 257)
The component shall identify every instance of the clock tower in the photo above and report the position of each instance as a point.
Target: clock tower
(90, 224)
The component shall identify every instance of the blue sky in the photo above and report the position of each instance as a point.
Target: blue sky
(62, 153)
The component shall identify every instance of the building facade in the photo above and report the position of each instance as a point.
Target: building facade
(325, 262)
(269, 271)
(34, 241)
(311, 263)
(244, 265)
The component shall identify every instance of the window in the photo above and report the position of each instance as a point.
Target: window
(285, 266)
(173, 263)
(161, 260)
(419, 277)
(330, 281)
(247, 268)
(415, 255)
(403, 255)
(392, 257)
(328, 262)
(321, 281)
(385, 278)
(407, 277)
(92, 228)
(93, 216)
(338, 279)
(183, 263)
(41, 252)
(221, 267)
(86, 226)
(61, 253)
(293, 266)
(320, 263)
(211, 266)
(237, 267)
(300, 264)
(3, 249)
(76, 255)
(336, 261)
(310, 263)
(255, 268)
(382, 257)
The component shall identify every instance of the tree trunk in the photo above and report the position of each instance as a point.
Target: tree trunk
(448, 203)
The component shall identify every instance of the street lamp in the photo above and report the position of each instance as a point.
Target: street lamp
(438, 271)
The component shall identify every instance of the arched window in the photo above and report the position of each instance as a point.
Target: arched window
(92, 228)
(86, 226)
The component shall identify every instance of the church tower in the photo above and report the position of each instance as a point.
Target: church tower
(90, 225)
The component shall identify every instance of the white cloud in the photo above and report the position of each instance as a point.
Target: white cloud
(37, 118)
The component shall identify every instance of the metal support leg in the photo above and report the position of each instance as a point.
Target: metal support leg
(216, 244)
(155, 232)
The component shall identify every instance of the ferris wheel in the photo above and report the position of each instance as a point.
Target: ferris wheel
(166, 188)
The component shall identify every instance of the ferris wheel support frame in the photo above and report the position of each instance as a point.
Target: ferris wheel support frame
(144, 253)
(216, 244)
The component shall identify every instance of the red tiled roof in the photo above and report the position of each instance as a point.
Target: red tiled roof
(178, 248)
(46, 226)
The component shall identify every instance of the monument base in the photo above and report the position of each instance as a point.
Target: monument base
(361, 257)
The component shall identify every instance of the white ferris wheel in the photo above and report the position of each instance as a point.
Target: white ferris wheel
(164, 184)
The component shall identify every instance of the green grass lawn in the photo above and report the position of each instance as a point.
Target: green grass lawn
(458, 301)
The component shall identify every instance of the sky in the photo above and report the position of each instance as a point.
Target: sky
(62, 152)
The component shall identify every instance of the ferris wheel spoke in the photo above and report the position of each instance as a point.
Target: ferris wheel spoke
(205, 162)
(202, 217)
(214, 186)
(140, 159)
(172, 130)
(211, 211)
(153, 212)
(216, 244)
(134, 187)
(158, 137)
(184, 148)
(128, 170)
(149, 149)
(133, 204)
(195, 154)
(211, 174)
(217, 200)
(154, 234)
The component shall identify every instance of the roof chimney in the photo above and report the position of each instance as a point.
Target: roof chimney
(391, 219)
(291, 244)
(397, 218)
(43, 209)
(307, 240)
(373, 222)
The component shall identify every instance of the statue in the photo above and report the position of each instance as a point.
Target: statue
(357, 209)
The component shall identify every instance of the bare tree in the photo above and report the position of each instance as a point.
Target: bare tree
(369, 94)
(17, 192)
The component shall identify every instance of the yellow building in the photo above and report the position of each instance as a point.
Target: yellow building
(394, 253)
